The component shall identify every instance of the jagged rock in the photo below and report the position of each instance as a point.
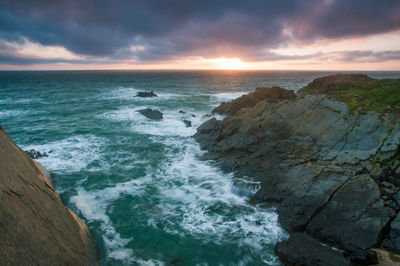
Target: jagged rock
(302, 249)
(273, 94)
(151, 114)
(146, 94)
(188, 123)
(36, 228)
(36, 154)
(307, 153)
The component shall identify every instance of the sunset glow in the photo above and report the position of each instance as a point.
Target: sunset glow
(257, 35)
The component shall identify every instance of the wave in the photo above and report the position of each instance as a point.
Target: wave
(71, 154)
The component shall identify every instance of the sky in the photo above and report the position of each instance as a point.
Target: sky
(200, 34)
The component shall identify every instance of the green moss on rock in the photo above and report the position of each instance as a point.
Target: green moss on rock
(360, 92)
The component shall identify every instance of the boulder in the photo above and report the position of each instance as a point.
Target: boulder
(302, 249)
(146, 94)
(151, 114)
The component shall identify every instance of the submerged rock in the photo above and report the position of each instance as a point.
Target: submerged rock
(146, 94)
(36, 227)
(151, 114)
(36, 154)
(188, 123)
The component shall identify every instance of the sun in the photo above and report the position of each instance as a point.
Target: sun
(229, 63)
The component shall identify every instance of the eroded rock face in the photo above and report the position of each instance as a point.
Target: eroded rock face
(319, 163)
(36, 228)
(355, 215)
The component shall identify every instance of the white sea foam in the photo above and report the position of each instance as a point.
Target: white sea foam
(93, 206)
(194, 198)
(71, 154)
(171, 125)
(209, 207)
(228, 96)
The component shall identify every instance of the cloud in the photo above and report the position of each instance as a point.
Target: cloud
(171, 29)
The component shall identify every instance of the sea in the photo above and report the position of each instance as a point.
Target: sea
(139, 184)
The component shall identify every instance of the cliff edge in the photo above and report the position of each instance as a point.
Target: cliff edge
(328, 158)
(36, 228)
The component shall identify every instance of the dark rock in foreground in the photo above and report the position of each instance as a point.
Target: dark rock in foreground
(331, 170)
(36, 228)
(302, 249)
(146, 94)
(36, 154)
(188, 123)
(151, 114)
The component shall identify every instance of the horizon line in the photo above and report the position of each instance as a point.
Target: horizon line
(201, 69)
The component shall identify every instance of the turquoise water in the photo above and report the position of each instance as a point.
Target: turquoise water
(139, 184)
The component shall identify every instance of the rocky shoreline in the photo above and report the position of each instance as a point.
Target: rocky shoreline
(327, 157)
(36, 228)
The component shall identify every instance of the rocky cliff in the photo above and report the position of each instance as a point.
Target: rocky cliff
(328, 158)
(36, 228)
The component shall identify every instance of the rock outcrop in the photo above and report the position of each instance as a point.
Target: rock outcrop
(36, 228)
(146, 94)
(151, 114)
(330, 169)
(34, 154)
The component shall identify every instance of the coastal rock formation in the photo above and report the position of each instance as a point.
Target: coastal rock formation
(146, 94)
(151, 114)
(36, 228)
(34, 154)
(326, 157)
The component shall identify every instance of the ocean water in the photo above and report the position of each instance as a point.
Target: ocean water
(139, 184)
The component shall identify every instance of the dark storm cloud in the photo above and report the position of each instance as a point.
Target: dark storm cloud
(170, 28)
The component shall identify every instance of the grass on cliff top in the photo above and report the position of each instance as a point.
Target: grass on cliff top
(360, 92)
